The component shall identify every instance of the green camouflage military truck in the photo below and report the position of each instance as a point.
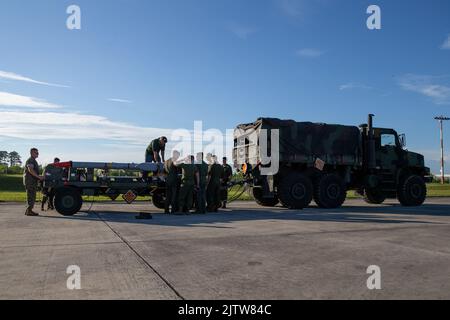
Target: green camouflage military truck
(322, 161)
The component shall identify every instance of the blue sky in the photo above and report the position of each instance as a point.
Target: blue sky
(168, 63)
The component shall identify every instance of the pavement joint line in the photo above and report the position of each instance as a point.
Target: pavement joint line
(140, 257)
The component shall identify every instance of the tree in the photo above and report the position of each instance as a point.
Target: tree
(14, 158)
(3, 157)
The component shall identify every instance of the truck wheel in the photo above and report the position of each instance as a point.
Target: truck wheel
(374, 196)
(159, 200)
(265, 202)
(330, 191)
(68, 201)
(412, 191)
(295, 191)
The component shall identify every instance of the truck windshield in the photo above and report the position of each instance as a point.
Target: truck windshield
(388, 140)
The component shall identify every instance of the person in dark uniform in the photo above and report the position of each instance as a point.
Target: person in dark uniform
(48, 194)
(202, 169)
(155, 150)
(172, 182)
(188, 178)
(227, 172)
(213, 189)
(31, 178)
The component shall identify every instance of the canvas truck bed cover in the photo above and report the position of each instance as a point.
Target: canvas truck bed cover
(306, 141)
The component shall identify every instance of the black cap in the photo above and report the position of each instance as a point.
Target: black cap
(164, 139)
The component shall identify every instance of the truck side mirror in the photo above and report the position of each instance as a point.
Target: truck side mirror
(402, 140)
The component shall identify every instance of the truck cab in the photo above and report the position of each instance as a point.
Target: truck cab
(396, 171)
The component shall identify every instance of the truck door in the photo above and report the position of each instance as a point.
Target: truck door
(388, 153)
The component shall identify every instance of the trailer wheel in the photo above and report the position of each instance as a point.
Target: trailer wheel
(330, 191)
(265, 202)
(68, 201)
(412, 191)
(159, 200)
(374, 196)
(295, 191)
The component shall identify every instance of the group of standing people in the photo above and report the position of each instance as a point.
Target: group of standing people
(192, 179)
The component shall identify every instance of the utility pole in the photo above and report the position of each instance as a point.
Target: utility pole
(441, 119)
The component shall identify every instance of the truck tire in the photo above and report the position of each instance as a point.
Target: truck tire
(159, 200)
(330, 191)
(264, 202)
(68, 201)
(412, 191)
(295, 191)
(374, 196)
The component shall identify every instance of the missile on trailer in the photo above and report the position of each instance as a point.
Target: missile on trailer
(146, 166)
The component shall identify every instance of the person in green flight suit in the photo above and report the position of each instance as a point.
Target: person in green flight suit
(202, 168)
(172, 182)
(31, 178)
(227, 172)
(213, 189)
(189, 177)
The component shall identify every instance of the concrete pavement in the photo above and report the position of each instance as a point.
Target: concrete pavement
(245, 252)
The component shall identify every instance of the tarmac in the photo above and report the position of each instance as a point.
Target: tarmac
(244, 252)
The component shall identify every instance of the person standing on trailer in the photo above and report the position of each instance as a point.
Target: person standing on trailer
(31, 178)
(155, 152)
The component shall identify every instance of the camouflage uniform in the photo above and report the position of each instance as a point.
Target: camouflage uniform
(227, 172)
(202, 169)
(171, 185)
(213, 190)
(154, 146)
(31, 183)
(48, 193)
(187, 186)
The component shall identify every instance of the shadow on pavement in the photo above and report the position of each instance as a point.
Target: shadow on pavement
(384, 214)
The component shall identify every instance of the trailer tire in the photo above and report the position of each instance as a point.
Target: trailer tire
(295, 191)
(159, 200)
(412, 191)
(330, 191)
(374, 196)
(264, 202)
(68, 201)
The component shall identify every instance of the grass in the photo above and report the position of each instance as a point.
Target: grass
(12, 190)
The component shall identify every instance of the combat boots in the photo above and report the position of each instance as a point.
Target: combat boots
(31, 213)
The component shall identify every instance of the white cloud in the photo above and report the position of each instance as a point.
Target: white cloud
(71, 126)
(427, 86)
(352, 85)
(241, 31)
(309, 53)
(446, 44)
(292, 8)
(120, 100)
(14, 100)
(17, 77)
